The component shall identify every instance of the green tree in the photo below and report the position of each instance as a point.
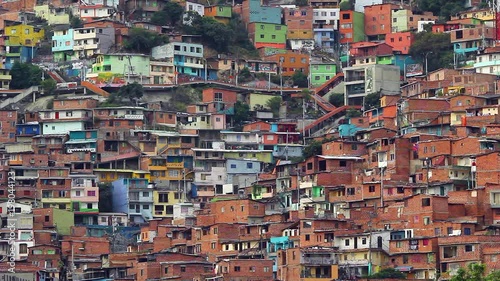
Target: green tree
(300, 79)
(351, 112)
(244, 75)
(274, 104)
(142, 41)
(215, 34)
(239, 36)
(133, 92)
(171, 14)
(49, 86)
(475, 272)
(346, 5)
(336, 100)
(442, 8)
(388, 273)
(75, 22)
(241, 113)
(312, 149)
(372, 101)
(25, 75)
(436, 46)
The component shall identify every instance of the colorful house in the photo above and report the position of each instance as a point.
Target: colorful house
(263, 34)
(352, 27)
(291, 62)
(53, 16)
(62, 44)
(84, 198)
(299, 22)
(254, 11)
(130, 67)
(133, 196)
(221, 13)
(21, 43)
(320, 72)
(187, 58)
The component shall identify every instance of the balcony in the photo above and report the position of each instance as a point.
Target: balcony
(355, 78)
(134, 116)
(85, 47)
(85, 210)
(283, 174)
(88, 149)
(5, 77)
(205, 193)
(179, 165)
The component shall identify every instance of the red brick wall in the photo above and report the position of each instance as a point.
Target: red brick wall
(75, 104)
(8, 120)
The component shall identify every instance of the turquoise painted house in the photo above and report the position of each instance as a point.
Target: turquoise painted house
(255, 12)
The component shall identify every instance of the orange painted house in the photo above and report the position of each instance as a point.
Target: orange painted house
(400, 41)
(257, 126)
(378, 21)
(291, 62)
(351, 27)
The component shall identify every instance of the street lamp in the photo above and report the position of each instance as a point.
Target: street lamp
(426, 63)
(404, 68)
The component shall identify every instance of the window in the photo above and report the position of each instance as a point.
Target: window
(237, 269)
(347, 242)
(251, 269)
(23, 248)
(90, 193)
(427, 220)
(183, 268)
(249, 165)
(426, 202)
(308, 237)
(467, 231)
(371, 188)
(469, 248)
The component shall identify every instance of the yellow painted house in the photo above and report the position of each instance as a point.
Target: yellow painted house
(484, 15)
(164, 201)
(52, 15)
(23, 35)
(110, 175)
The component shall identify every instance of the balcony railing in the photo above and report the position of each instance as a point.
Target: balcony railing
(317, 260)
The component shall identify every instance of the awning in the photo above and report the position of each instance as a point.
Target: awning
(404, 268)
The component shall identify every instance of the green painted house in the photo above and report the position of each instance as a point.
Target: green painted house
(63, 220)
(268, 34)
(221, 13)
(321, 72)
(132, 67)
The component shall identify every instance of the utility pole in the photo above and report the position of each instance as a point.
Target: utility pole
(281, 75)
(303, 120)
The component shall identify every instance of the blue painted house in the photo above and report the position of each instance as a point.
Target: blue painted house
(133, 196)
(28, 129)
(187, 57)
(259, 13)
(82, 141)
